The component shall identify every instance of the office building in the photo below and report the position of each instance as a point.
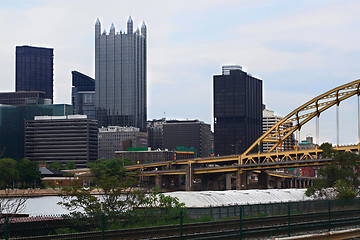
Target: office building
(12, 125)
(120, 76)
(188, 134)
(23, 98)
(61, 139)
(269, 120)
(172, 134)
(237, 110)
(116, 138)
(34, 70)
(83, 94)
(155, 133)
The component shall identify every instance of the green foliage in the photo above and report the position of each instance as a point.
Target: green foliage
(340, 179)
(60, 231)
(56, 166)
(29, 174)
(328, 151)
(70, 165)
(22, 174)
(9, 173)
(345, 189)
(123, 197)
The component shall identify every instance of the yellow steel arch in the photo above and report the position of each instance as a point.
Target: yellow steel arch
(303, 114)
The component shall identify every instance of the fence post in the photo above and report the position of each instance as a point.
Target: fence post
(6, 228)
(240, 222)
(103, 226)
(181, 224)
(289, 226)
(329, 215)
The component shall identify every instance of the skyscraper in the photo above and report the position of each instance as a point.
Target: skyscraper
(237, 111)
(34, 70)
(83, 94)
(120, 76)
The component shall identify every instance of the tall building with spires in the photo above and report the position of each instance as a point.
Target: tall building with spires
(120, 76)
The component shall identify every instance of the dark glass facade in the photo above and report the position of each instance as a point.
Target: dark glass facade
(190, 133)
(237, 112)
(34, 70)
(12, 125)
(83, 94)
(22, 98)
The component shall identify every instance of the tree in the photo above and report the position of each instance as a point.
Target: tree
(122, 194)
(29, 174)
(12, 205)
(339, 179)
(56, 166)
(70, 165)
(9, 173)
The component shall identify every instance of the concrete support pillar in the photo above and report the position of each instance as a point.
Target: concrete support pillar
(166, 181)
(216, 183)
(176, 180)
(228, 181)
(158, 182)
(263, 180)
(241, 180)
(279, 183)
(204, 184)
(292, 183)
(181, 183)
(296, 183)
(188, 178)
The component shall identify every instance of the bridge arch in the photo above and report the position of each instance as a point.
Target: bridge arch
(303, 114)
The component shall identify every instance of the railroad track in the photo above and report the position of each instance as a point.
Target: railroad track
(228, 229)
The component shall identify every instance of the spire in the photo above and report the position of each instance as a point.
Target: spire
(143, 29)
(97, 21)
(129, 26)
(112, 28)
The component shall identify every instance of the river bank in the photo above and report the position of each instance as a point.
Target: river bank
(38, 192)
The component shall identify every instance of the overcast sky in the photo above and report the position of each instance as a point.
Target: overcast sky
(299, 49)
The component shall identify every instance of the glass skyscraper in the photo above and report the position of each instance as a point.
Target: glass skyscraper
(83, 94)
(237, 110)
(34, 70)
(120, 76)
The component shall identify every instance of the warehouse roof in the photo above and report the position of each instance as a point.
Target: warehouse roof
(239, 197)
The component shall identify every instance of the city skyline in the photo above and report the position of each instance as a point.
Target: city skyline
(300, 50)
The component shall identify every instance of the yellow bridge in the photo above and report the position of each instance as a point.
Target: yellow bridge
(260, 161)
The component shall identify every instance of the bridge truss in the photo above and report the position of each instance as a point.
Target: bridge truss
(274, 158)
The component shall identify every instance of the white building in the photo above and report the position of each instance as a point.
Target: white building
(269, 120)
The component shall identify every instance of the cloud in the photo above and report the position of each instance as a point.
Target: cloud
(299, 49)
